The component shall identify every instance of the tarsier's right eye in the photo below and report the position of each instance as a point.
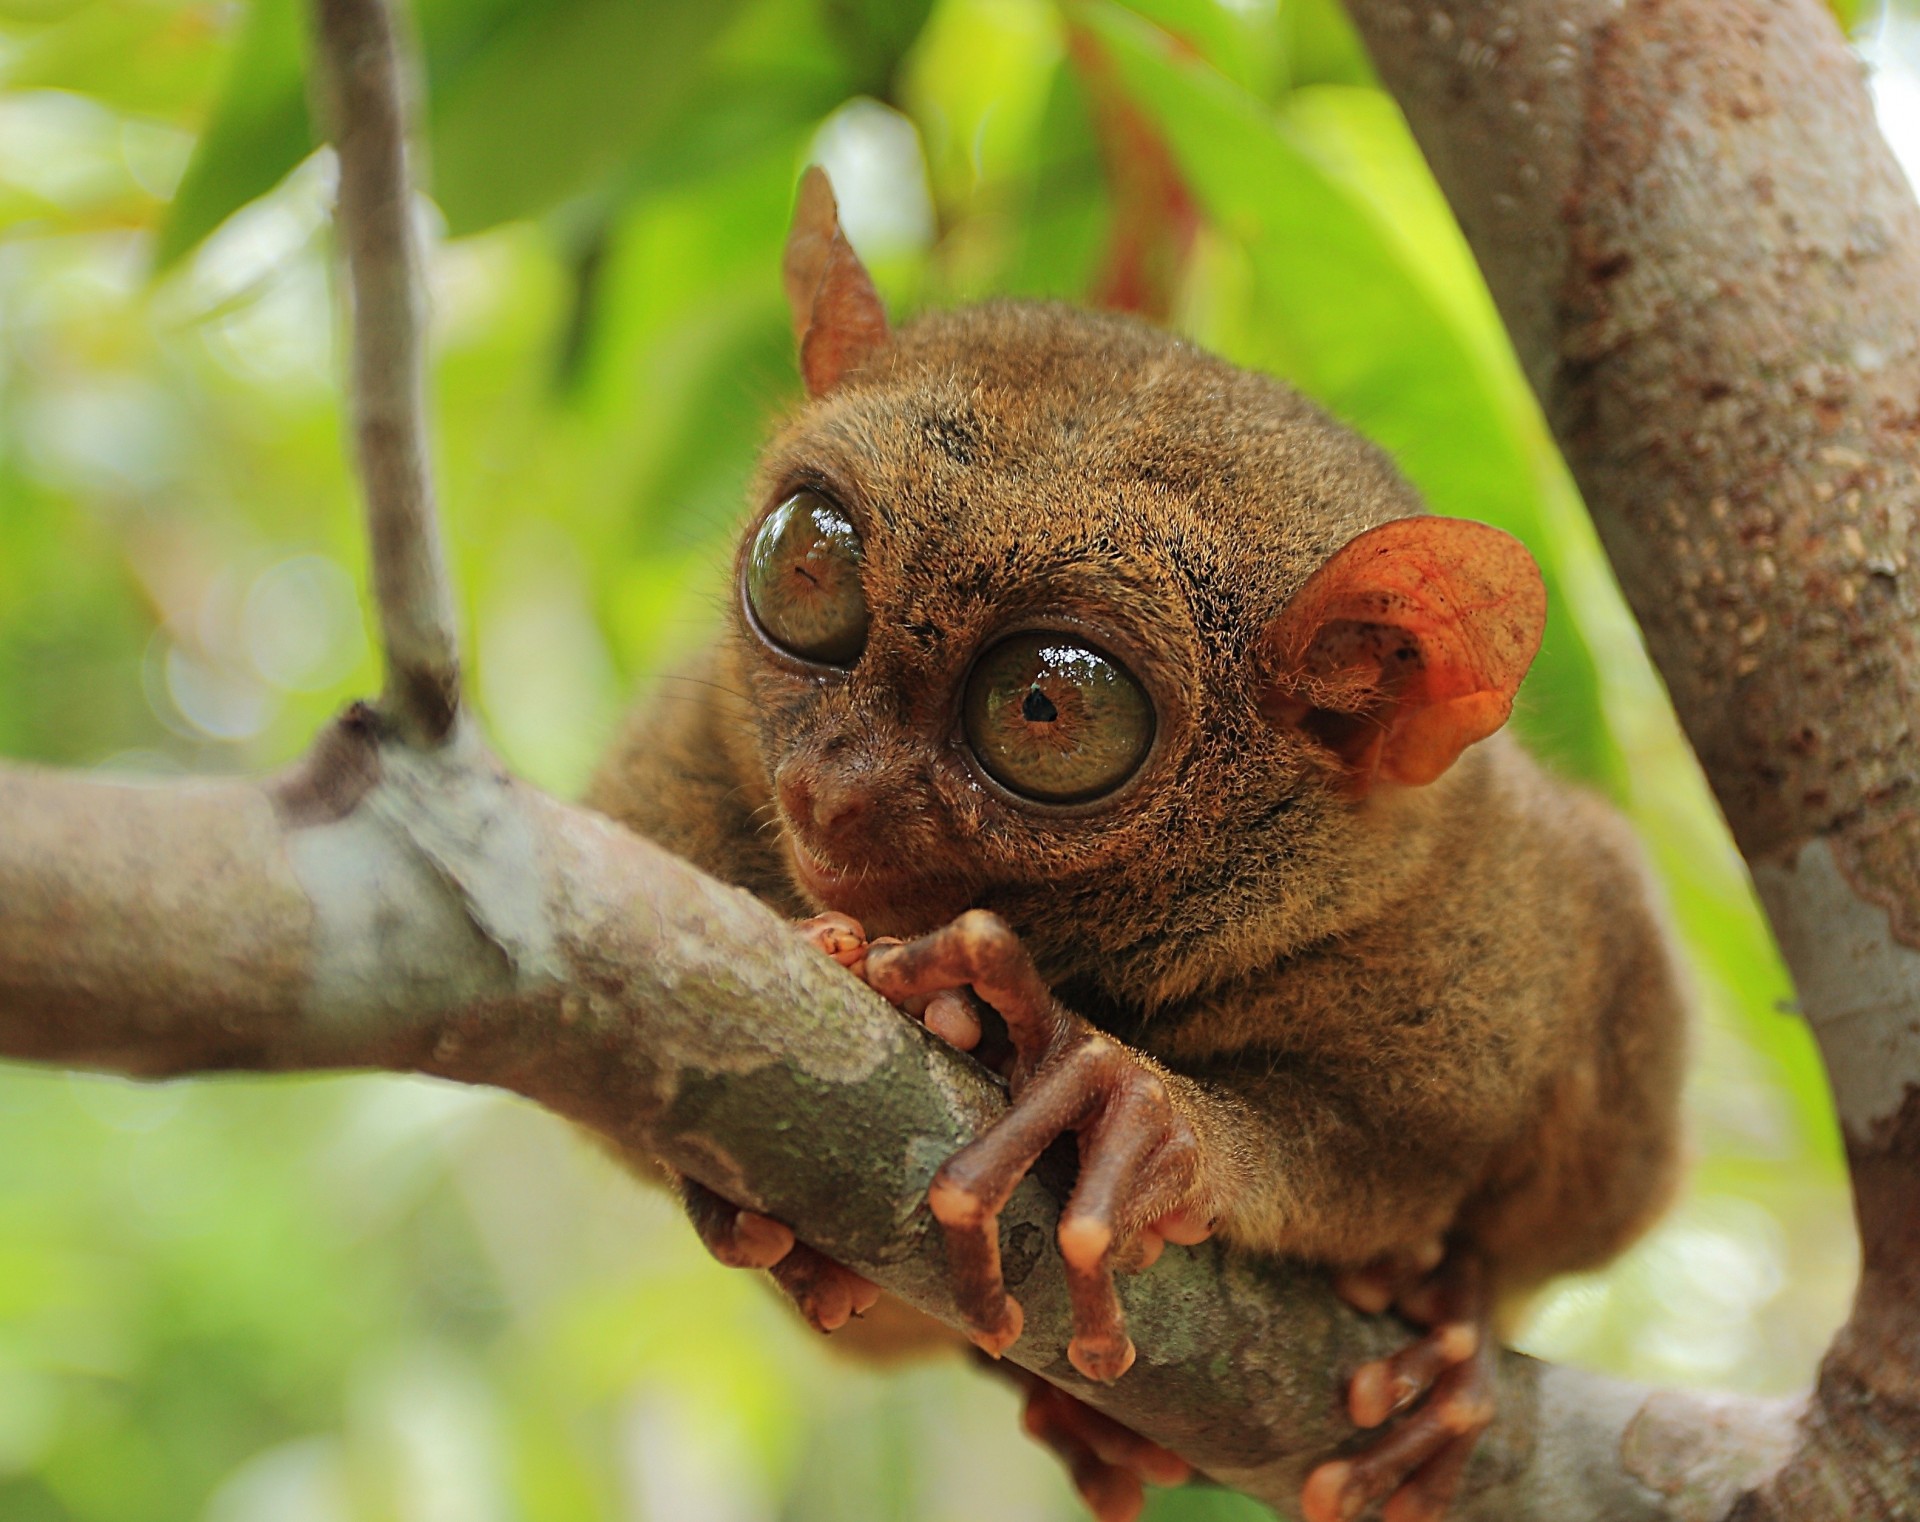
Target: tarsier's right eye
(803, 581)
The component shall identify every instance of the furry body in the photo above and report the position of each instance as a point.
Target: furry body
(1424, 1012)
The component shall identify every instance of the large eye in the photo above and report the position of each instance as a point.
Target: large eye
(803, 581)
(1055, 720)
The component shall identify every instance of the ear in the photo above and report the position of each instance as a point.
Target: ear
(1407, 646)
(838, 320)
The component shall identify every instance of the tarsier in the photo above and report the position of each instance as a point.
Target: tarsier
(1152, 711)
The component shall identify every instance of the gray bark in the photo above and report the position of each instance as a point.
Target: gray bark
(1710, 266)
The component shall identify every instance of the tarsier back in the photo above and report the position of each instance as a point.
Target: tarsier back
(1050, 614)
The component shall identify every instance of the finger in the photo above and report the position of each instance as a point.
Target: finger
(1114, 1154)
(1134, 1165)
(737, 1238)
(1122, 1447)
(1388, 1280)
(1112, 1492)
(972, 1186)
(1389, 1385)
(759, 1240)
(1426, 1497)
(1459, 1409)
(1369, 1290)
(821, 1288)
(977, 950)
(951, 1017)
(1455, 1292)
(971, 1225)
(1340, 1490)
(1101, 1348)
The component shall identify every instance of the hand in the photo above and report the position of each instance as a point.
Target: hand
(1141, 1180)
(826, 1293)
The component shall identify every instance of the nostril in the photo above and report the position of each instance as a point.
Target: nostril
(821, 802)
(837, 810)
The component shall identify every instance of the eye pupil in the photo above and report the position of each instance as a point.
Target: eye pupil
(803, 581)
(1038, 708)
(1055, 720)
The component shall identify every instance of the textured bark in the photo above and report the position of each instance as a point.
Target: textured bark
(1710, 266)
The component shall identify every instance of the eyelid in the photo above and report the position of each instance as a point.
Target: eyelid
(824, 481)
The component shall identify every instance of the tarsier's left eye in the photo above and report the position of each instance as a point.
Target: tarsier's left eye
(803, 581)
(1054, 720)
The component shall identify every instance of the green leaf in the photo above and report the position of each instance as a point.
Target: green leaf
(1322, 46)
(560, 96)
(528, 103)
(140, 59)
(872, 35)
(1371, 324)
(257, 134)
(1243, 43)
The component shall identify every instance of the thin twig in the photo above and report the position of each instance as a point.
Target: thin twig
(360, 63)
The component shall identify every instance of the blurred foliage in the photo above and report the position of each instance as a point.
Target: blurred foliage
(363, 1300)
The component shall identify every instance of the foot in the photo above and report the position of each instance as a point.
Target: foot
(1140, 1160)
(1110, 1464)
(1444, 1380)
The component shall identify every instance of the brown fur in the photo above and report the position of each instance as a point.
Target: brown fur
(1421, 1010)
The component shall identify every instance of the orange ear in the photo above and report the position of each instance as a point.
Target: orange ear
(838, 320)
(1408, 646)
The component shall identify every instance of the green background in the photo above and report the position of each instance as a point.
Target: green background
(391, 1301)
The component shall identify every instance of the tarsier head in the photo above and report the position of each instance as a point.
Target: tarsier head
(1050, 612)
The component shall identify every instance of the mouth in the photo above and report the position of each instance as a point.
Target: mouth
(822, 879)
(886, 902)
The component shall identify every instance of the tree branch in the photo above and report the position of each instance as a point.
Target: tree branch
(1710, 266)
(360, 67)
(382, 907)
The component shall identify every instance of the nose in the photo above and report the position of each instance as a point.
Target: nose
(824, 804)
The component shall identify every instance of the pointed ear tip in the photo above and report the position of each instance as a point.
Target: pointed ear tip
(816, 188)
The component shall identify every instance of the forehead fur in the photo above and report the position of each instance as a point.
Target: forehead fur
(1031, 447)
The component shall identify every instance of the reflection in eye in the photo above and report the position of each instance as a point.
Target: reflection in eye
(803, 581)
(1055, 720)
